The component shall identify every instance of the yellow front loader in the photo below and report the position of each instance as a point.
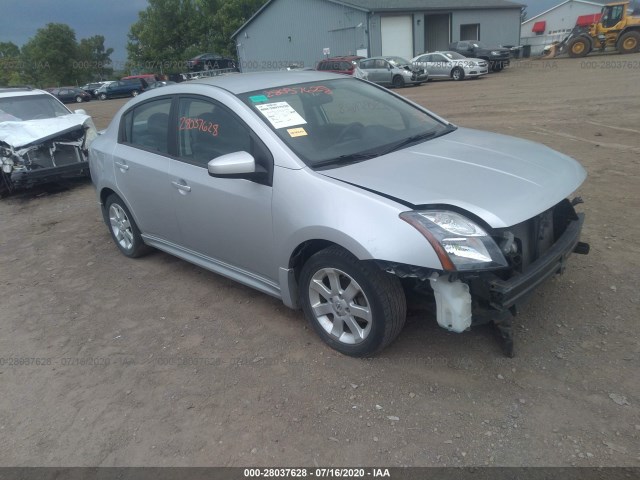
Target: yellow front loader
(616, 29)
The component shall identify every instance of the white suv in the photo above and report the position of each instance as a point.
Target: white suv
(40, 139)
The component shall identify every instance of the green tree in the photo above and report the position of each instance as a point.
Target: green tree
(226, 17)
(10, 64)
(94, 60)
(169, 32)
(163, 33)
(50, 56)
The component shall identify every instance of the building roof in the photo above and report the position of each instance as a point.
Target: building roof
(405, 5)
(598, 3)
(387, 5)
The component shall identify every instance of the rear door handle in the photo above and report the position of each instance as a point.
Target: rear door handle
(182, 187)
(122, 166)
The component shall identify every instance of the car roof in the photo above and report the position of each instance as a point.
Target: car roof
(248, 82)
(6, 92)
(346, 57)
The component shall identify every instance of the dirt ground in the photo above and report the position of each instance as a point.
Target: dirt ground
(157, 362)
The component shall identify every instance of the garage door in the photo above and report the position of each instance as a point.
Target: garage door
(397, 36)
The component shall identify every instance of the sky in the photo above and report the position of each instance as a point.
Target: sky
(20, 19)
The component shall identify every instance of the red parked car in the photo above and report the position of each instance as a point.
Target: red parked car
(345, 65)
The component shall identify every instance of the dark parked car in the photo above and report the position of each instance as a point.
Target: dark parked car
(211, 61)
(123, 88)
(160, 83)
(70, 94)
(345, 65)
(497, 57)
(92, 88)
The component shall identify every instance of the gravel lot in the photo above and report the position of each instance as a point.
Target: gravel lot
(158, 362)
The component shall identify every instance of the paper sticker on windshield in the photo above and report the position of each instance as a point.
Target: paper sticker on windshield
(297, 132)
(259, 98)
(281, 115)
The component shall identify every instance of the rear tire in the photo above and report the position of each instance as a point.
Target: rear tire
(78, 99)
(398, 81)
(123, 228)
(135, 93)
(457, 74)
(579, 47)
(629, 42)
(356, 308)
(102, 96)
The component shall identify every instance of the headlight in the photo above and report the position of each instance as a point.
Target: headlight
(7, 164)
(460, 244)
(495, 52)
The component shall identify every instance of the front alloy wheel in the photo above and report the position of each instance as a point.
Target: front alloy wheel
(340, 306)
(355, 307)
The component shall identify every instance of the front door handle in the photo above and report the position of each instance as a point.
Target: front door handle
(122, 166)
(182, 187)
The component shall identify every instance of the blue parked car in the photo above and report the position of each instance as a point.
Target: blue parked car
(123, 88)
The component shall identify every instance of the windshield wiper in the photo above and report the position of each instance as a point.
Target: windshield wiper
(410, 141)
(359, 157)
(346, 159)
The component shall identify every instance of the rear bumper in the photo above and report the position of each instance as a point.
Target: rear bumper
(506, 293)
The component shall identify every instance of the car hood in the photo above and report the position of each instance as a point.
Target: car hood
(23, 134)
(501, 179)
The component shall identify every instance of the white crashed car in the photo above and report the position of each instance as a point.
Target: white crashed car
(41, 140)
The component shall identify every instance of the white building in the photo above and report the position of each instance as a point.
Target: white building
(557, 22)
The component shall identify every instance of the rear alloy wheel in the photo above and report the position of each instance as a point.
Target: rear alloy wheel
(629, 43)
(135, 93)
(123, 228)
(356, 308)
(78, 99)
(398, 81)
(579, 47)
(457, 74)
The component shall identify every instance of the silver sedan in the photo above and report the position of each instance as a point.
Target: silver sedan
(336, 196)
(450, 65)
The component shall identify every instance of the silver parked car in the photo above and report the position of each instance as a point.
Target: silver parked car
(337, 196)
(451, 65)
(392, 71)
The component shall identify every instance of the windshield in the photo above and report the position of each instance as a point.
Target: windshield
(454, 55)
(334, 122)
(398, 61)
(30, 107)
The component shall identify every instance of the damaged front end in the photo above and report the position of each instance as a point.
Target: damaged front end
(533, 251)
(44, 150)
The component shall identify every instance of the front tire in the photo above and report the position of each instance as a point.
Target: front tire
(123, 228)
(629, 43)
(355, 308)
(398, 82)
(135, 93)
(103, 96)
(78, 99)
(457, 74)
